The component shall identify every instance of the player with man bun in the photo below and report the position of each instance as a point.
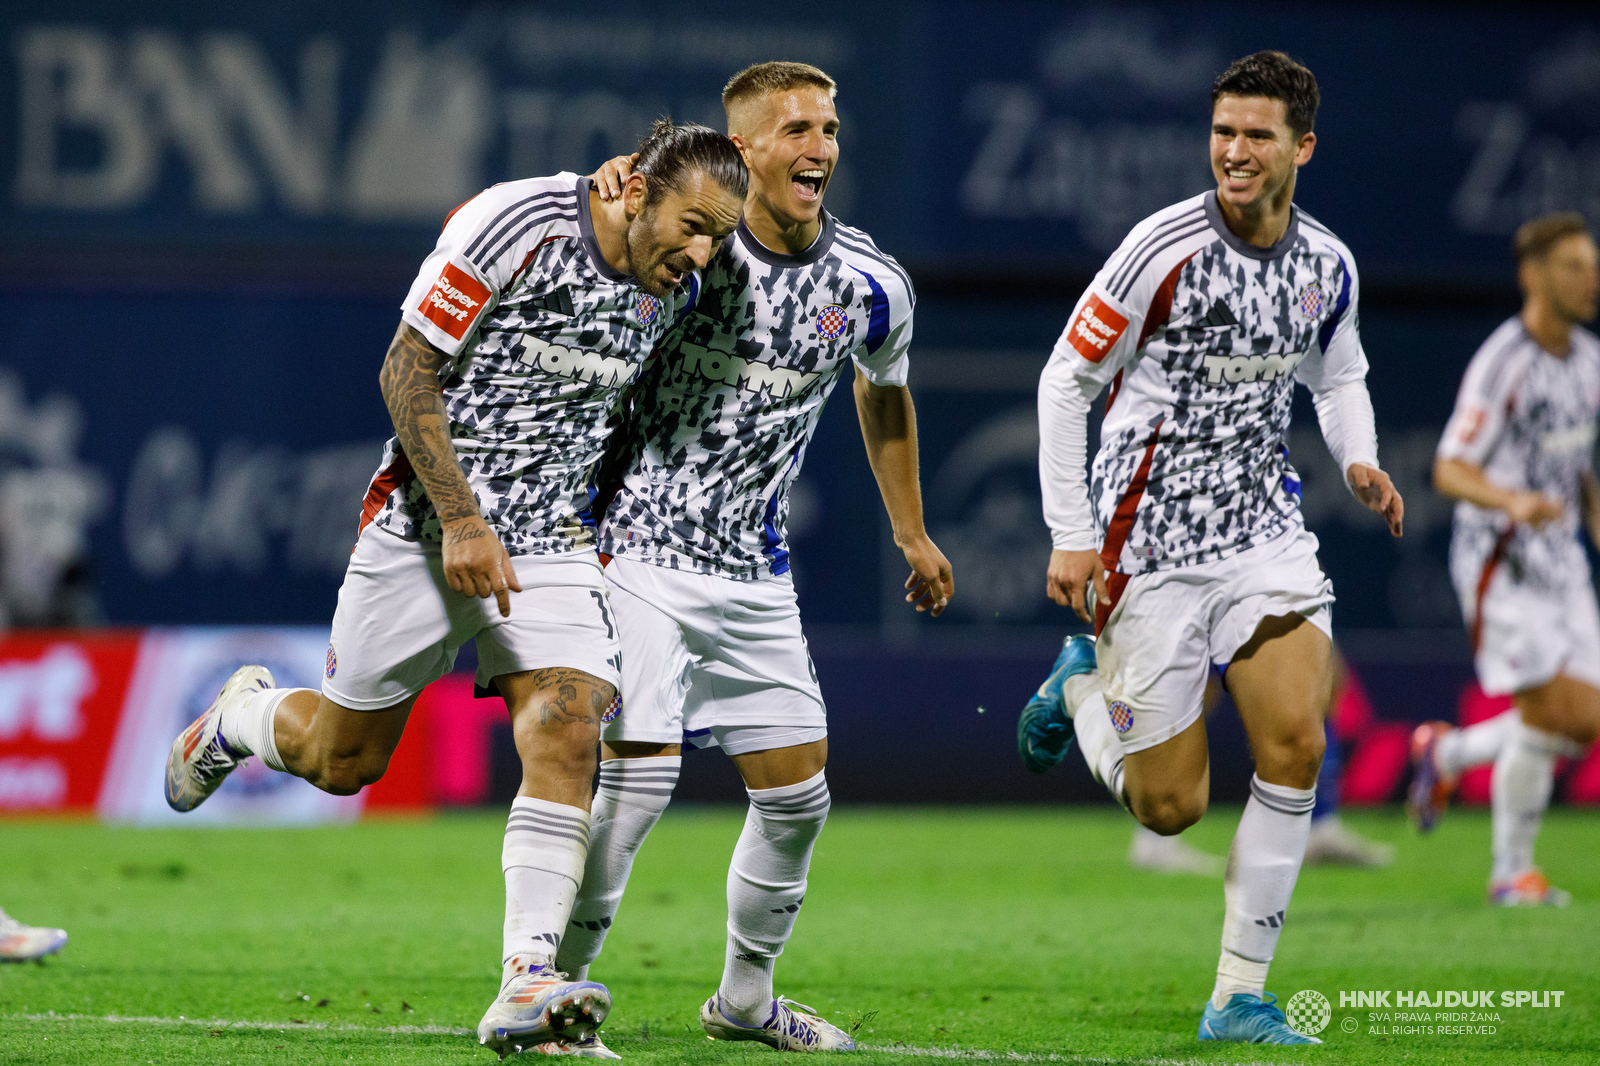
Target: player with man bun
(1518, 455)
(535, 310)
(1186, 547)
(713, 651)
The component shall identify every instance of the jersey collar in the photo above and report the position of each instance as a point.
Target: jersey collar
(818, 249)
(590, 244)
(1220, 224)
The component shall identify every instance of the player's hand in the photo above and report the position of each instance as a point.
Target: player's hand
(1534, 509)
(1069, 578)
(477, 564)
(931, 583)
(612, 173)
(1374, 489)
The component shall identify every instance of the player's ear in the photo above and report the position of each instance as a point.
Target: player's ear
(1303, 150)
(634, 188)
(741, 143)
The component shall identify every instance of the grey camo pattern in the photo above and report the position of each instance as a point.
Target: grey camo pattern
(1549, 399)
(713, 445)
(1219, 478)
(528, 438)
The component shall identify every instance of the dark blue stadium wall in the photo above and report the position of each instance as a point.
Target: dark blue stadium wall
(196, 312)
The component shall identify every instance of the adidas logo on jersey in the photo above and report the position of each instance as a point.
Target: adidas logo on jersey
(1219, 315)
(557, 303)
(1236, 368)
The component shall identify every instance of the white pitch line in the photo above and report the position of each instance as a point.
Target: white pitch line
(225, 1023)
(985, 1055)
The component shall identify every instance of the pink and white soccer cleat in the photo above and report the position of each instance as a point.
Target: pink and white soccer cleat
(200, 759)
(540, 1006)
(1530, 888)
(22, 943)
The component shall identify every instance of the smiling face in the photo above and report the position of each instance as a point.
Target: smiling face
(678, 233)
(790, 141)
(1254, 153)
(1567, 277)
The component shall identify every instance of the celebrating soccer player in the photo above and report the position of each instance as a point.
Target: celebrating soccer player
(537, 307)
(1517, 454)
(713, 652)
(1187, 548)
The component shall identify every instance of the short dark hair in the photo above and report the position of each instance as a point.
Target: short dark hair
(670, 153)
(1537, 236)
(774, 77)
(1277, 77)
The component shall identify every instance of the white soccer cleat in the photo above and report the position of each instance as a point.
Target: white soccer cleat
(1332, 841)
(200, 759)
(540, 1006)
(589, 1047)
(1171, 855)
(22, 943)
(792, 1027)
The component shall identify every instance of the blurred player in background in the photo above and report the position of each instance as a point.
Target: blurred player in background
(713, 652)
(22, 943)
(1188, 546)
(1330, 842)
(1518, 454)
(535, 310)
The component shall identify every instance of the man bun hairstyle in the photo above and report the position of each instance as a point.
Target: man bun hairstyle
(1537, 236)
(775, 77)
(671, 153)
(1274, 76)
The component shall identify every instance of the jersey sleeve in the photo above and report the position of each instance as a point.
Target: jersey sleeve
(480, 253)
(1337, 359)
(883, 353)
(1480, 412)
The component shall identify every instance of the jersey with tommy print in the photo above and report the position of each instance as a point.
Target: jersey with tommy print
(545, 335)
(1201, 337)
(1527, 419)
(725, 410)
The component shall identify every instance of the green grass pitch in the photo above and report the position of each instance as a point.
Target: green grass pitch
(1012, 934)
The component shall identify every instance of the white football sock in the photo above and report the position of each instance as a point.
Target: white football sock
(766, 885)
(1523, 776)
(1091, 724)
(543, 859)
(1462, 749)
(632, 795)
(1263, 864)
(247, 725)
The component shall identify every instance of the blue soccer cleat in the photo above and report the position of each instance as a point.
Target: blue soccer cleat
(1044, 732)
(1249, 1019)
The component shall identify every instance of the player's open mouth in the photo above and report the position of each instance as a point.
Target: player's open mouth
(808, 184)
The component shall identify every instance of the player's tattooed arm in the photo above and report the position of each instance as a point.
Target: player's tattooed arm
(1589, 493)
(889, 430)
(475, 562)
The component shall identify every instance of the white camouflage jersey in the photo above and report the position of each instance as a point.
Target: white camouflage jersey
(1527, 419)
(545, 336)
(1201, 337)
(723, 414)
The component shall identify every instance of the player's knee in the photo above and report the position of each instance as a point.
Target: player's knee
(1294, 758)
(1169, 813)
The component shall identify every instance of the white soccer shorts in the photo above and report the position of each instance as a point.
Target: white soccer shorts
(1169, 627)
(398, 623)
(709, 661)
(1523, 636)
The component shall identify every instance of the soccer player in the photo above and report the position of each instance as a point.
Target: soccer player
(536, 308)
(21, 943)
(1187, 546)
(713, 653)
(1518, 456)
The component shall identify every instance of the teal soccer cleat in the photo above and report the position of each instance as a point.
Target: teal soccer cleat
(1249, 1020)
(1044, 732)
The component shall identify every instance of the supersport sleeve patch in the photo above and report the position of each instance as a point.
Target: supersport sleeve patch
(454, 302)
(1096, 328)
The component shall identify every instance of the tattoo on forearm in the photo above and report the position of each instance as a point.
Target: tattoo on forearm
(458, 534)
(410, 384)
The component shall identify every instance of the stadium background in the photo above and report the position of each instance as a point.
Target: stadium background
(209, 213)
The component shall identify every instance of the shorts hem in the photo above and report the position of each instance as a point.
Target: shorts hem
(366, 706)
(604, 672)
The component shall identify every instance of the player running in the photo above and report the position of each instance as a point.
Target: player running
(536, 308)
(1518, 454)
(1187, 546)
(713, 653)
